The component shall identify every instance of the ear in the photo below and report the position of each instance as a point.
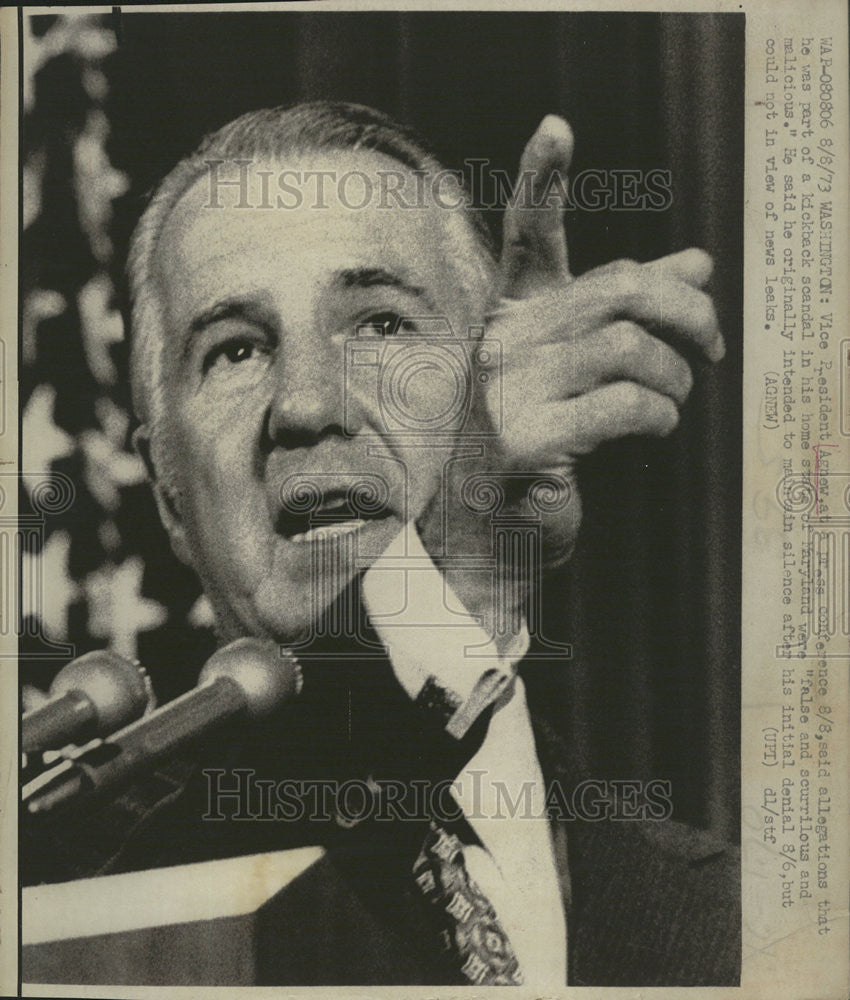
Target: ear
(166, 501)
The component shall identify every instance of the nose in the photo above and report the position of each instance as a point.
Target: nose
(308, 401)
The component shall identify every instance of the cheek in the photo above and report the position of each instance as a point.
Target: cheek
(213, 463)
(422, 386)
(227, 523)
(433, 393)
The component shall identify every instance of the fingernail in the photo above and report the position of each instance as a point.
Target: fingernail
(554, 127)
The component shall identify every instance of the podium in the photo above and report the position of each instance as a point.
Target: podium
(192, 925)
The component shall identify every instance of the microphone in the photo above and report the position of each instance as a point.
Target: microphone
(98, 693)
(248, 676)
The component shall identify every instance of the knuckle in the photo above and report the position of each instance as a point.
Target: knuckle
(631, 396)
(613, 267)
(629, 338)
(628, 280)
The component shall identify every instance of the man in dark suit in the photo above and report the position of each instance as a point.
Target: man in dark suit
(338, 385)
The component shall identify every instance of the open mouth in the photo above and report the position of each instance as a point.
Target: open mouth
(333, 516)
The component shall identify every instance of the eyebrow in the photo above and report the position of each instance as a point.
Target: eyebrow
(247, 308)
(236, 307)
(370, 277)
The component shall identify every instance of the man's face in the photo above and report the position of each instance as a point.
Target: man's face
(258, 304)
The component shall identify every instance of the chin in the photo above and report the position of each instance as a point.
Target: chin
(291, 615)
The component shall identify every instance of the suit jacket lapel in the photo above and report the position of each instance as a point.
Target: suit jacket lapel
(647, 903)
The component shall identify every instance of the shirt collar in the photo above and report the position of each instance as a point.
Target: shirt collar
(425, 628)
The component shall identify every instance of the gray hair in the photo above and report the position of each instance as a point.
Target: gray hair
(271, 133)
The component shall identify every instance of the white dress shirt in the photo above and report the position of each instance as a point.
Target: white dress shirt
(428, 633)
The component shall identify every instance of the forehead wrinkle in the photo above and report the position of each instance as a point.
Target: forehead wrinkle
(195, 241)
(434, 224)
(206, 280)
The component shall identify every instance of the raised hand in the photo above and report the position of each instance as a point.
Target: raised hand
(589, 359)
(584, 361)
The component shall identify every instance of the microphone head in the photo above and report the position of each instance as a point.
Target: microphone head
(118, 689)
(268, 674)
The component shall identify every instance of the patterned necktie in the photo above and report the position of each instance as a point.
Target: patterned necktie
(468, 925)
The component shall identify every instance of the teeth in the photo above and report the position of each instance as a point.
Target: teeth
(322, 531)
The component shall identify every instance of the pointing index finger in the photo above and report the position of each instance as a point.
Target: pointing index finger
(534, 249)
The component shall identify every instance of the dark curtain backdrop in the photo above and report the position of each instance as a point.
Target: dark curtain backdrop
(651, 600)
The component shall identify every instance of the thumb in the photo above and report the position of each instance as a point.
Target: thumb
(534, 245)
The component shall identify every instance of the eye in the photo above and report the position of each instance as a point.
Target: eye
(235, 351)
(389, 324)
